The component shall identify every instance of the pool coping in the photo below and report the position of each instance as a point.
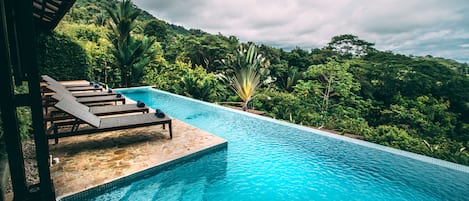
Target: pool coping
(157, 168)
(419, 157)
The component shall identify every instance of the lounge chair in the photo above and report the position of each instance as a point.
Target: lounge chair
(50, 101)
(48, 79)
(98, 124)
(80, 87)
(58, 115)
(55, 88)
(97, 93)
(88, 100)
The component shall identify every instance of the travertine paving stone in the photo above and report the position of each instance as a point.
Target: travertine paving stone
(90, 160)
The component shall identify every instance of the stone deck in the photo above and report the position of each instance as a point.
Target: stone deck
(90, 160)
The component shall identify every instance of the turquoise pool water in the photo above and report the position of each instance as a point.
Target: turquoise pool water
(272, 160)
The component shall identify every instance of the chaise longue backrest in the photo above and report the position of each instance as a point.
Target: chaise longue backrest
(78, 111)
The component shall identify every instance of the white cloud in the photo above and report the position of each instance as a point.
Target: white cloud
(418, 27)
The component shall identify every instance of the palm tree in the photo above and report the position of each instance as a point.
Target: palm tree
(123, 20)
(288, 79)
(245, 82)
(247, 65)
(144, 54)
(131, 53)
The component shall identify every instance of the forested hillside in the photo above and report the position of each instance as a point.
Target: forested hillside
(419, 104)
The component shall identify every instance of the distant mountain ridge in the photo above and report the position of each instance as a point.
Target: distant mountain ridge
(96, 7)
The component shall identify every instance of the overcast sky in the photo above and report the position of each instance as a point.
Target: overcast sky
(417, 27)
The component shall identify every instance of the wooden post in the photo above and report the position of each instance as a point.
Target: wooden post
(8, 110)
(26, 35)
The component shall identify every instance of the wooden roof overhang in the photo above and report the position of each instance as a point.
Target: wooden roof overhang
(48, 13)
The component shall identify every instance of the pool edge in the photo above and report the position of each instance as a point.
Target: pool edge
(99, 188)
(407, 154)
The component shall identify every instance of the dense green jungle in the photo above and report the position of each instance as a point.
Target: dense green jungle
(414, 103)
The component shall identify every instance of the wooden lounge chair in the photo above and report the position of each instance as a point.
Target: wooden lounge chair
(82, 87)
(98, 124)
(89, 100)
(50, 101)
(58, 115)
(48, 79)
(55, 88)
(88, 88)
(97, 93)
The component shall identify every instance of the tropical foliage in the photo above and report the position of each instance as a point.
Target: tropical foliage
(419, 104)
(247, 66)
(60, 56)
(131, 53)
(245, 82)
(24, 121)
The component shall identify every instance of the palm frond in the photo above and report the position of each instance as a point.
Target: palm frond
(245, 82)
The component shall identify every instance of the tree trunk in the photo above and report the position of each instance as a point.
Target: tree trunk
(325, 103)
(245, 106)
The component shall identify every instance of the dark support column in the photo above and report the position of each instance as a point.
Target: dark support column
(9, 118)
(26, 42)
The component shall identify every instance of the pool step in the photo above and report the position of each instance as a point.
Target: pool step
(195, 191)
(169, 193)
(182, 190)
(141, 191)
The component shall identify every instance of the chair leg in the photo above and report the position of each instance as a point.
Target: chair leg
(170, 130)
(56, 130)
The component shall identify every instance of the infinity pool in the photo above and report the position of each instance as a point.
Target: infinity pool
(273, 160)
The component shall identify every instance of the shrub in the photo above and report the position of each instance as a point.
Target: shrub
(279, 105)
(393, 136)
(61, 57)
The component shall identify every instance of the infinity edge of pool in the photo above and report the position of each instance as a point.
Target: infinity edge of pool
(427, 159)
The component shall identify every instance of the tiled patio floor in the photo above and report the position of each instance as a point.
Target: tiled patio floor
(90, 160)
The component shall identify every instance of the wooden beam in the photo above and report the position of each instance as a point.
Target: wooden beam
(64, 7)
(8, 111)
(52, 2)
(22, 100)
(38, 8)
(14, 52)
(48, 13)
(26, 43)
